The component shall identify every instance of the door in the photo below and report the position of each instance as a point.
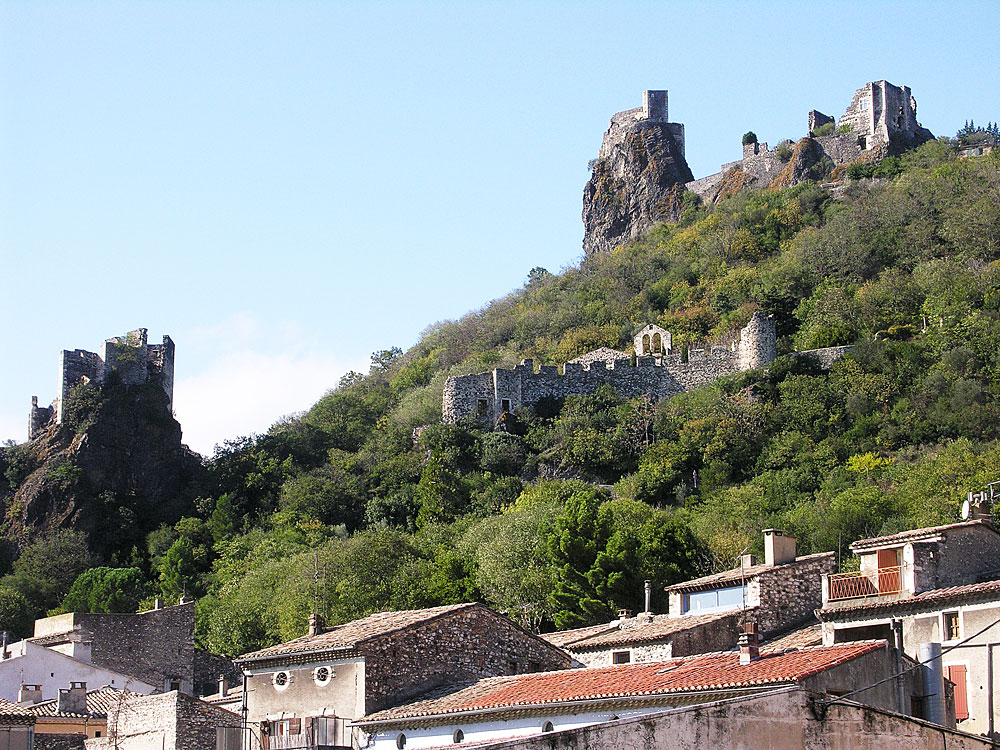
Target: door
(889, 573)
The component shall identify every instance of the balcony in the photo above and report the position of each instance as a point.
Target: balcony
(864, 584)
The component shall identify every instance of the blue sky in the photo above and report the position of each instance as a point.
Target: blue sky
(285, 187)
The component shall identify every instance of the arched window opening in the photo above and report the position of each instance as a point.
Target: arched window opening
(645, 343)
(400, 741)
(458, 736)
(657, 343)
(547, 727)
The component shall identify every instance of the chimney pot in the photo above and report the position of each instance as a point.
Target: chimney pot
(624, 614)
(222, 686)
(157, 603)
(648, 585)
(749, 643)
(779, 548)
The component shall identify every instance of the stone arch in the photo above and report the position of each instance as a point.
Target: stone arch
(657, 344)
(645, 343)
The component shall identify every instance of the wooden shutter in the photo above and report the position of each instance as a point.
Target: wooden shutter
(956, 673)
(295, 726)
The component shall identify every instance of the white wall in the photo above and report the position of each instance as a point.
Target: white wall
(30, 663)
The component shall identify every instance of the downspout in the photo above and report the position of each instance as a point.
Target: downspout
(243, 712)
(897, 631)
(989, 686)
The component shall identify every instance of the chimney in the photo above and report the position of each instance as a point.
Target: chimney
(223, 692)
(157, 603)
(778, 548)
(749, 643)
(315, 624)
(624, 614)
(74, 699)
(648, 585)
(747, 561)
(29, 694)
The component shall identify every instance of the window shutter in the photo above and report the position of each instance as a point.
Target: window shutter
(956, 673)
(295, 726)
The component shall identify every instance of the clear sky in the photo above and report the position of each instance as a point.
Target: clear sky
(285, 187)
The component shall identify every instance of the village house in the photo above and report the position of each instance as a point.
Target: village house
(937, 590)
(17, 727)
(704, 614)
(76, 714)
(304, 693)
(500, 708)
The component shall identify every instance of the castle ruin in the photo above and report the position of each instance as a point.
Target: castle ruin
(130, 357)
(654, 369)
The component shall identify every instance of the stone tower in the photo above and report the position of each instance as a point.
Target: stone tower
(758, 344)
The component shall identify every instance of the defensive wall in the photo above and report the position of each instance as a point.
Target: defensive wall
(130, 356)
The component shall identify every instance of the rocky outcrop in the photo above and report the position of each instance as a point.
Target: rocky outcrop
(637, 182)
(114, 469)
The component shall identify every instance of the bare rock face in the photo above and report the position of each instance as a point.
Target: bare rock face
(637, 182)
(115, 469)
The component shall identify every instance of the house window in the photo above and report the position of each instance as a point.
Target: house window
(547, 727)
(505, 404)
(175, 684)
(281, 680)
(323, 675)
(482, 407)
(731, 597)
(951, 628)
(400, 741)
(621, 657)
(458, 736)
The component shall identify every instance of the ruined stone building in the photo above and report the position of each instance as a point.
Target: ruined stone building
(130, 357)
(705, 614)
(658, 371)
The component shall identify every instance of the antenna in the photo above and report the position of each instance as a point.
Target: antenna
(967, 507)
(315, 582)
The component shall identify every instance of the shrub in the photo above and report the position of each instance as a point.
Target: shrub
(749, 137)
(784, 151)
(824, 129)
(860, 171)
(844, 129)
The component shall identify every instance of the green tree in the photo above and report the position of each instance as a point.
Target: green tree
(47, 567)
(178, 571)
(106, 590)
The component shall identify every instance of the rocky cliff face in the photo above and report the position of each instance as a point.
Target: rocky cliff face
(115, 469)
(636, 183)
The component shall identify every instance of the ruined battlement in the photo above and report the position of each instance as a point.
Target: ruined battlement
(659, 372)
(654, 111)
(130, 357)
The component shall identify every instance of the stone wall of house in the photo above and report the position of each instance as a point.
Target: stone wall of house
(167, 721)
(965, 553)
(209, 667)
(460, 647)
(789, 719)
(485, 395)
(715, 635)
(60, 741)
(156, 646)
(791, 593)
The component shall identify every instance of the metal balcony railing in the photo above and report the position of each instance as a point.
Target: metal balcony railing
(865, 583)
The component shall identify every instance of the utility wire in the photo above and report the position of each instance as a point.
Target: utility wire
(910, 669)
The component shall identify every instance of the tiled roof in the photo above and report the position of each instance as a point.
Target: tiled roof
(915, 534)
(349, 635)
(99, 703)
(810, 635)
(634, 631)
(717, 671)
(737, 574)
(234, 695)
(934, 597)
(12, 713)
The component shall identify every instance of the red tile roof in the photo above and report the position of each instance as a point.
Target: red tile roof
(810, 635)
(351, 634)
(717, 671)
(934, 597)
(634, 630)
(12, 713)
(99, 703)
(916, 534)
(738, 574)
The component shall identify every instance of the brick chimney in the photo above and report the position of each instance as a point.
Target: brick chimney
(778, 547)
(29, 694)
(749, 643)
(315, 624)
(73, 699)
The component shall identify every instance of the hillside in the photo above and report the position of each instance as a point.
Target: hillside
(350, 506)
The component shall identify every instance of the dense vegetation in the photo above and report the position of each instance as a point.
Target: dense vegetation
(348, 508)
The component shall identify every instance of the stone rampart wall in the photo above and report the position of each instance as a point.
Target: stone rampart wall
(825, 357)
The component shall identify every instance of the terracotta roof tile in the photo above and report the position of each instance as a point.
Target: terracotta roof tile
(635, 631)
(737, 574)
(717, 671)
(349, 635)
(915, 534)
(987, 589)
(810, 635)
(99, 703)
(14, 713)
(563, 638)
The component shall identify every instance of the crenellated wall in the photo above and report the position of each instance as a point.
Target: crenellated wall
(487, 395)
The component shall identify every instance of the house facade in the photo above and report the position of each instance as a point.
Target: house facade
(936, 589)
(304, 693)
(779, 593)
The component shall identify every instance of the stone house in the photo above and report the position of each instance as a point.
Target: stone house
(31, 672)
(304, 692)
(76, 714)
(155, 647)
(937, 590)
(783, 718)
(704, 614)
(500, 708)
(166, 721)
(17, 727)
